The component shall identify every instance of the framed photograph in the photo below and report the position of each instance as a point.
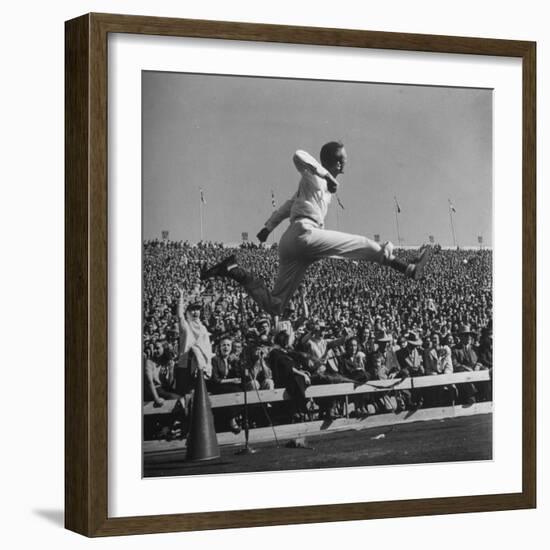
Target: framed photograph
(300, 274)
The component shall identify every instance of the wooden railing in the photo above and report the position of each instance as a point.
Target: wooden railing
(346, 390)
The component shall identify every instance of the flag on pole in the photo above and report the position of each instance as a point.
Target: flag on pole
(272, 199)
(451, 206)
(397, 205)
(203, 200)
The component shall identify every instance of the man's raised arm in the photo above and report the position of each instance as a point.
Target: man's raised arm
(304, 162)
(183, 325)
(183, 300)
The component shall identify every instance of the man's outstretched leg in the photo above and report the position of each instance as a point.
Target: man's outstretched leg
(414, 269)
(227, 268)
(290, 275)
(322, 243)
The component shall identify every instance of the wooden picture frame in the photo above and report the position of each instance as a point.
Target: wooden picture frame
(86, 279)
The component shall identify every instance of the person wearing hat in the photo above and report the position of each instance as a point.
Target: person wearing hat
(194, 348)
(409, 357)
(389, 360)
(383, 364)
(464, 355)
(410, 362)
(464, 360)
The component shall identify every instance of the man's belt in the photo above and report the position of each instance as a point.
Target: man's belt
(308, 218)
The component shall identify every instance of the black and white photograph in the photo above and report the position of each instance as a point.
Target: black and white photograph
(270, 251)
(317, 274)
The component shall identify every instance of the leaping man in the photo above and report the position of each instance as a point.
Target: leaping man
(306, 241)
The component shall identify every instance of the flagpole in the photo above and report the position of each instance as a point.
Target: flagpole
(452, 224)
(273, 208)
(200, 210)
(397, 222)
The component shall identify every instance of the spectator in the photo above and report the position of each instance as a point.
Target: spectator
(465, 359)
(437, 360)
(159, 377)
(485, 359)
(353, 363)
(262, 330)
(410, 361)
(385, 350)
(388, 401)
(347, 298)
(258, 374)
(409, 358)
(325, 367)
(195, 349)
(224, 366)
(430, 356)
(226, 378)
(288, 373)
(236, 351)
(354, 366)
(485, 349)
(290, 322)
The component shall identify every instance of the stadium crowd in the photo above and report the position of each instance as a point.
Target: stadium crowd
(349, 321)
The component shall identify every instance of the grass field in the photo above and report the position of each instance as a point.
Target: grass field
(451, 439)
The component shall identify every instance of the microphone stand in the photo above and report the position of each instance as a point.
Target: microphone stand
(247, 449)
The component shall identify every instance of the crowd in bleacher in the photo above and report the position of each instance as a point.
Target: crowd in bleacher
(349, 321)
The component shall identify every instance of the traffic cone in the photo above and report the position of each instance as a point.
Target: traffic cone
(202, 443)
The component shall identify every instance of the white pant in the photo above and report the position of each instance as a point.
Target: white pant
(302, 244)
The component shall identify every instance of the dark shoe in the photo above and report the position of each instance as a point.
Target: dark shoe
(416, 270)
(218, 270)
(263, 235)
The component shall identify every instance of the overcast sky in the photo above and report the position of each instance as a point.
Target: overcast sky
(235, 137)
